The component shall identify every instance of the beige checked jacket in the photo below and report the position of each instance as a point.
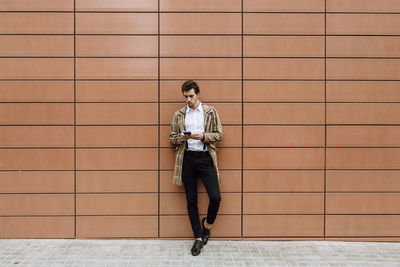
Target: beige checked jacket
(212, 134)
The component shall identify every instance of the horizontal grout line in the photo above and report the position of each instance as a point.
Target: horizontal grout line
(20, 171)
(170, 170)
(93, 148)
(36, 80)
(214, 102)
(363, 192)
(137, 215)
(77, 170)
(321, 80)
(284, 214)
(38, 34)
(317, 214)
(80, 102)
(235, 170)
(362, 214)
(349, 57)
(328, 124)
(200, 213)
(169, 215)
(46, 216)
(200, 79)
(3, 125)
(201, 12)
(318, 237)
(238, 57)
(204, 192)
(195, 57)
(37, 57)
(336, 57)
(366, 35)
(371, 124)
(38, 193)
(173, 148)
(182, 215)
(361, 237)
(201, 34)
(360, 12)
(282, 192)
(201, 192)
(227, 124)
(77, 147)
(319, 170)
(72, 193)
(312, 147)
(156, 192)
(321, 192)
(65, 125)
(313, 102)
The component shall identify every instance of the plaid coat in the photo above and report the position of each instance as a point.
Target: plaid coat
(212, 134)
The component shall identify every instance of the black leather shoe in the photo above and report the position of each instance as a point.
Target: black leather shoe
(206, 233)
(197, 245)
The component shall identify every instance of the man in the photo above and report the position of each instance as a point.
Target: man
(194, 130)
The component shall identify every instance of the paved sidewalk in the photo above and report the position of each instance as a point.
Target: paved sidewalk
(69, 252)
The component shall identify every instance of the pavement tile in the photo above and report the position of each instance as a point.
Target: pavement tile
(176, 253)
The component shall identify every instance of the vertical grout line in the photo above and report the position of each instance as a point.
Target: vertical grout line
(74, 118)
(325, 130)
(158, 106)
(241, 172)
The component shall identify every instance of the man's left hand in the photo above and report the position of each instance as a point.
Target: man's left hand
(197, 136)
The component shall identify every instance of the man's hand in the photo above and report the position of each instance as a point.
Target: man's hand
(197, 136)
(185, 137)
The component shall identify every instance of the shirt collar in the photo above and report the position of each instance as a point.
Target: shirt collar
(199, 108)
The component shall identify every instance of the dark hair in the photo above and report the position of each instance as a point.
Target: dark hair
(189, 85)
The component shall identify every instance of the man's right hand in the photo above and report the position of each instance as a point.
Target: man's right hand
(185, 137)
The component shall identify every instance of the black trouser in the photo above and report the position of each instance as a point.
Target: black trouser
(200, 164)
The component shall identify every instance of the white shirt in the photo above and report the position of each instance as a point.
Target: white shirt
(194, 122)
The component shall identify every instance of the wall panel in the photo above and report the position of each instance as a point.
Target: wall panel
(36, 91)
(284, 6)
(116, 23)
(200, 23)
(362, 6)
(37, 5)
(37, 45)
(36, 68)
(36, 23)
(116, 46)
(307, 92)
(285, 23)
(116, 5)
(205, 5)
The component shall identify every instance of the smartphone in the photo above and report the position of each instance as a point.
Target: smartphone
(187, 133)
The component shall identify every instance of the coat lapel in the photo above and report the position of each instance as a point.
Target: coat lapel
(207, 117)
(181, 119)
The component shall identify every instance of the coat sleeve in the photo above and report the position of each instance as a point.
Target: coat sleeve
(174, 133)
(216, 134)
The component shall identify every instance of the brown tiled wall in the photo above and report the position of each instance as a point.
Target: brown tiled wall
(308, 92)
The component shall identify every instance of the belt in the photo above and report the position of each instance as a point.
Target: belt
(192, 151)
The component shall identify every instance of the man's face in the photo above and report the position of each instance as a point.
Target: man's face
(191, 98)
